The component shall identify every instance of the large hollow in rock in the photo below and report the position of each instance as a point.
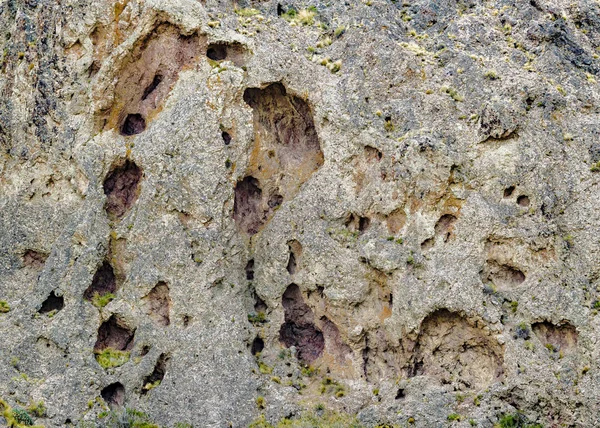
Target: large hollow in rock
(115, 334)
(286, 153)
(456, 351)
(122, 188)
(299, 329)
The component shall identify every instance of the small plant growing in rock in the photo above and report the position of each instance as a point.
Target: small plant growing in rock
(109, 358)
(22, 417)
(151, 385)
(101, 301)
(454, 417)
(515, 420)
(247, 12)
(257, 318)
(260, 402)
(37, 408)
(4, 308)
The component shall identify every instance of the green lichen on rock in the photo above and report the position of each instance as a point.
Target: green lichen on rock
(4, 308)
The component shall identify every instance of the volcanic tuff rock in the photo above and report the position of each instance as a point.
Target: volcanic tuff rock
(217, 210)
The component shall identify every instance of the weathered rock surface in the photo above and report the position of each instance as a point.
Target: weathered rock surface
(387, 207)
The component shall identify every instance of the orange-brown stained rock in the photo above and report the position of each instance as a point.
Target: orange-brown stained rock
(147, 77)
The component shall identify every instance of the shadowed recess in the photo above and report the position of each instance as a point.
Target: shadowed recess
(158, 304)
(114, 395)
(286, 153)
(299, 329)
(114, 334)
(122, 188)
(53, 303)
(158, 374)
(457, 352)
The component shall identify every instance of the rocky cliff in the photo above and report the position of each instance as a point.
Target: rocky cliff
(371, 213)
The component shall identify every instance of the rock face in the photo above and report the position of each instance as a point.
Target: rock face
(217, 211)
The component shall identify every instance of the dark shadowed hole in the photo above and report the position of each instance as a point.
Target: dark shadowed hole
(400, 394)
(145, 350)
(445, 226)
(114, 334)
(52, 303)
(114, 395)
(121, 187)
(509, 191)
(186, 320)
(104, 282)
(291, 266)
(257, 345)
(155, 82)
(246, 207)
(133, 124)
(158, 304)
(363, 223)
(280, 10)
(275, 201)
(259, 304)
(226, 137)
(299, 329)
(158, 374)
(217, 52)
(523, 201)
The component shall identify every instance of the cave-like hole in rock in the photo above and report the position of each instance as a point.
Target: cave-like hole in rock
(158, 304)
(104, 282)
(509, 191)
(133, 124)
(445, 226)
(145, 350)
(250, 270)
(295, 249)
(114, 395)
(558, 338)
(400, 394)
(503, 276)
(259, 304)
(257, 345)
(523, 201)
(226, 137)
(158, 374)
(122, 187)
(115, 334)
(247, 210)
(457, 351)
(217, 52)
(52, 304)
(299, 329)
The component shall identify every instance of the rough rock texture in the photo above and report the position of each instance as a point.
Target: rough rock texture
(388, 207)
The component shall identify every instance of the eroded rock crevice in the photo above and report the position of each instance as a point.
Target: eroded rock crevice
(52, 304)
(146, 77)
(457, 352)
(104, 282)
(158, 304)
(286, 153)
(158, 374)
(122, 188)
(560, 338)
(114, 334)
(299, 328)
(114, 395)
